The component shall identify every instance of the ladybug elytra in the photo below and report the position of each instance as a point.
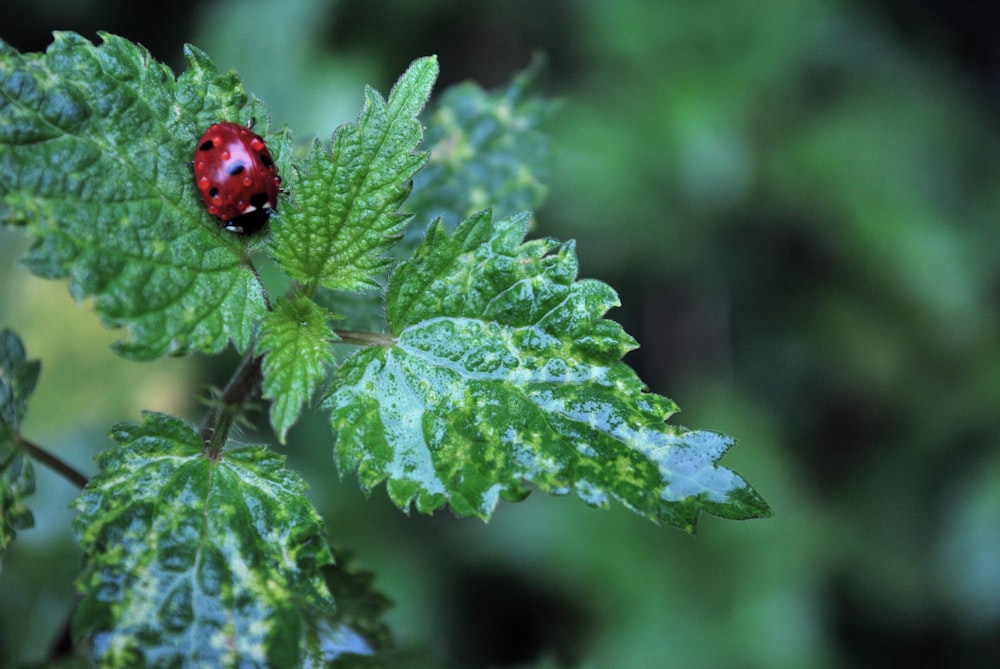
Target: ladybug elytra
(236, 177)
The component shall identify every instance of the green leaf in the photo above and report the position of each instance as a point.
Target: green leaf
(488, 149)
(194, 562)
(95, 146)
(344, 214)
(18, 377)
(295, 342)
(504, 371)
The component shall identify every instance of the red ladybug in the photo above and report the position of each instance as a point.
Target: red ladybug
(236, 177)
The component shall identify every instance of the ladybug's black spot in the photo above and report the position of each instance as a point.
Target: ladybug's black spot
(249, 224)
(259, 200)
(213, 192)
(236, 169)
(206, 145)
(266, 161)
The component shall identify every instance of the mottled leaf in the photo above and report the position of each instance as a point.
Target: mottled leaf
(488, 149)
(344, 215)
(95, 146)
(194, 562)
(17, 479)
(504, 371)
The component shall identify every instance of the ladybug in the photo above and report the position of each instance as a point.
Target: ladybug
(236, 177)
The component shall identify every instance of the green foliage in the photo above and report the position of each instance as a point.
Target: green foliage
(190, 561)
(488, 149)
(295, 342)
(96, 145)
(343, 216)
(17, 479)
(504, 371)
(492, 368)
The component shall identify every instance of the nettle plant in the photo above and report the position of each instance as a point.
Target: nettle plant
(458, 366)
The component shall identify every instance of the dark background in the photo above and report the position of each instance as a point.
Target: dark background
(797, 203)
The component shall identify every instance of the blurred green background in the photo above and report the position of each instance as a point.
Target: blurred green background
(796, 201)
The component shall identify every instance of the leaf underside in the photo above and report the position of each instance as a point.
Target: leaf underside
(505, 372)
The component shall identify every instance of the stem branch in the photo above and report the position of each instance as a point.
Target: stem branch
(223, 413)
(60, 466)
(364, 338)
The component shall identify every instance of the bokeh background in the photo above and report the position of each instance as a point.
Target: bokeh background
(796, 200)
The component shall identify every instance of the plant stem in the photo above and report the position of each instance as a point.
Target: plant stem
(223, 413)
(66, 470)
